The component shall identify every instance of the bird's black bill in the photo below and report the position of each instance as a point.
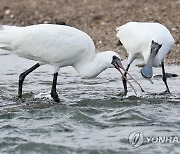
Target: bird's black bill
(118, 65)
(147, 71)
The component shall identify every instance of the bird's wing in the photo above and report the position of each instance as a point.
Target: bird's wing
(45, 42)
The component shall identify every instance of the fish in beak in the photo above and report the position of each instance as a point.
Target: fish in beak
(118, 65)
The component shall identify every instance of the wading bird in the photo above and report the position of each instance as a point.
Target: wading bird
(152, 41)
(58, 46)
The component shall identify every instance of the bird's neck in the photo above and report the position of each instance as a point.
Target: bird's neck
(92, 68)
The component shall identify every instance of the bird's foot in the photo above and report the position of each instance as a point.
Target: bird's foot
(56, 99)
(54, 95)
(124, 93)
(19, 95)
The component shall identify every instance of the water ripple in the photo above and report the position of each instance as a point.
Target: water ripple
(91, 117)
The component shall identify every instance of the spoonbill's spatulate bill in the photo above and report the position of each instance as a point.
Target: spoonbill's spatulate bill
(58, 46)
(152, 41)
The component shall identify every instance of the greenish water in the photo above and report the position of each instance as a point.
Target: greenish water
(91, 117)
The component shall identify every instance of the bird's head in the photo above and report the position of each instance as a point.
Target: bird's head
(155, 46)
(112, 60)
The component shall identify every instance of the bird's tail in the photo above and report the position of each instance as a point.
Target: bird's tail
(2, 45)
(1, 27)
(5, 35)
(6, 27)
(1, 42)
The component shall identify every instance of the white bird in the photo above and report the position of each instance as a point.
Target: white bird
(152, 41)
(58, 46)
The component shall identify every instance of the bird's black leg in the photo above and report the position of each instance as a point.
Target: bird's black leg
(164, 78)
(22, 77)
(54, 94)
(124, 93)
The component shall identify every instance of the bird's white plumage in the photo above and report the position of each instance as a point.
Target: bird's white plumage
(57, 45)
(47, 43)
(136, 37)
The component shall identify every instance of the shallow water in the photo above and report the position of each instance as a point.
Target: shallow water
(91, 117)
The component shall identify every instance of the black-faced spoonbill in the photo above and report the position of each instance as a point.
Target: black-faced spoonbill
(58, 46)
(152, 41)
